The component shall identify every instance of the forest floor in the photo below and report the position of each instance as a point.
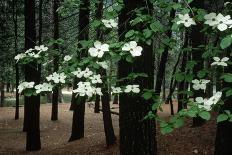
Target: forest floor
(54, 135)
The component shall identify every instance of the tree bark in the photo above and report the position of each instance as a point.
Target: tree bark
(32, 103)
(136, 136)
(15, 19)
(79, 109)
(55, 94)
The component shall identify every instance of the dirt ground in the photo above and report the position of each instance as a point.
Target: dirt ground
(54, 135)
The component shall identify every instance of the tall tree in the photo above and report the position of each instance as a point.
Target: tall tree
(78, 103)
(136, 136)
(32, 103)
(15, 19)
(55, 94)
(98, 15)
(223, 142)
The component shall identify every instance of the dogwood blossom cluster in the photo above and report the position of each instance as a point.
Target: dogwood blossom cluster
(110, 23)
(132, 88)
(200, 84)
(207, 103)
(86, 89)
(186, 20)
(219, 21)
(85, 73)
(133, 48)
(31, 53)
(57, 78)
(25, 85)
(45, 87)
(98, 50)
(116, 90)
(220, 62)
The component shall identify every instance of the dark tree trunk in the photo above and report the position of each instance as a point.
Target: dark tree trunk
(97, 104)
(223, 142)
(99, 36)
(136, 136)
(79, 107)
(115, 101)
(108, 126)
(78, 122)
(15, 19)
(32, 103)
(197, 39)
(2, 95)
(7, 87)
(55, 94)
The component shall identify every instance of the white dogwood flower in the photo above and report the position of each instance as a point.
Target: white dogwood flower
(220, 62)
(110, 23)
(207, 103)
(41, 48)
(45, 87)
(211, 19)
(116, 90)
(133, 48)
(84, 89)
(25, 85)
(78, 73)
(57, 78)
(186, 20)
(95, 79)
(132, 88)
(19, 56)
(98, 50)
(98, 91)
(87, 73)
(67, 58)
(200, 84)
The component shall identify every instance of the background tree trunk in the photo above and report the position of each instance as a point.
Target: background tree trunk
(55, 93)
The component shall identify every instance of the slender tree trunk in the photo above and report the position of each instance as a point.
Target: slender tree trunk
(15, 18)
(99, 13)
(197, 39)
(55, 94)
(136, 136)
(32, 73)
(8, 87)
(182, 98)
(79, 106)
(2, 94)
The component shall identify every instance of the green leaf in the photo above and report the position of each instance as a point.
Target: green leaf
(147, 95)
(227, 77)
(179, 77)
(192, 113)
(167, 129)
(201, 74)
(129, 33)
(178, 123)
(222, 117)
(229, 93)
(226, 42)
(156, 26)
(205, 115)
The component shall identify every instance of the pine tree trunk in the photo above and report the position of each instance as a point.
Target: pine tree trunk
(99, 36)
(136, 136)
(2, 94)
(32, 103)
(78, 107)
(55, 93)
(15, 19)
